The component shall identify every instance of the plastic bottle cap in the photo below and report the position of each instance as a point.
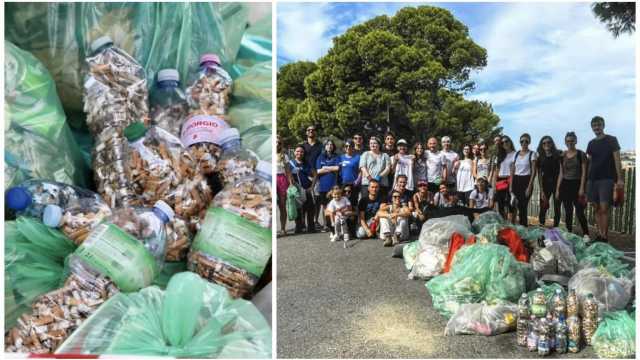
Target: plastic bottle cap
(18, 198)
(264, 168)
(165, 208)
(52, 216)
(135, 131)
(209, 58)
(100, 42)
(168, 75)
(228, 134)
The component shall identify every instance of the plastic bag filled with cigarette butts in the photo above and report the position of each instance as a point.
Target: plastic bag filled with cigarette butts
(38, 141)
(157, 35)
(190, 319)
(610, 292)
(34, 259)
(616, 336)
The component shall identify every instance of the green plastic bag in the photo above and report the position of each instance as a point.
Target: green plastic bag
(548, 290)
(604, 255)
(157, 35)
(490, 231)
(486, 218)
(168, 270)
(258, 140)
(255, 45)
(531, 233)
(34, 257)
(480, 272)
(410, 254)
(615, 336)
(255, 83)
(191, 319)
(38, 142)
(292, 204)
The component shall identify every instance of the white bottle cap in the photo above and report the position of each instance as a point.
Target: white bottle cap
(168, 74)
(100, 42)
(52, 216)
(165, 208)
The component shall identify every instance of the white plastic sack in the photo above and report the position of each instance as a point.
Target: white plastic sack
(429, 263)
(482, 319)
(611, 293)
(437, 232)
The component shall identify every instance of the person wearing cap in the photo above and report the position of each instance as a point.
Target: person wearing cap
(481, 198)
(358, 144)
(436, 166)
(402, 164)
(350, 171)
(375, 164)
(368, 207)
(450, 157)
(327, 167)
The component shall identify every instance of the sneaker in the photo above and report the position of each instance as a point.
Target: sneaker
(346, 237)
(333, 237)
(394, 240)
(387, 241)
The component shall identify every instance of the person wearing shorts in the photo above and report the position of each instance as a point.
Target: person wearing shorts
(605, 174)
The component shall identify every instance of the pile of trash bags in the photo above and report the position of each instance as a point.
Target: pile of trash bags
(137, 153)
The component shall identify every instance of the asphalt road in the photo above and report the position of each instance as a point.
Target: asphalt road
(358, 303)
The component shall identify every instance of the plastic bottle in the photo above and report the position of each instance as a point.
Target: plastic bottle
(558, 305)
(561, 336)
(128, 247)
(539, 303)
(235, 162)
(532, 334)
(572, 303)
(543, 339)
(589, 318)
(211, 87)
(551, 335)
(573, 334)
(523, 320)
(169, 106)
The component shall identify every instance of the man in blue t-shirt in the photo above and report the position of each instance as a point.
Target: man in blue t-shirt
(605, 173)
(349, 169)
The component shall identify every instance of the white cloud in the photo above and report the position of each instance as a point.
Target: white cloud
(551, 67)
(302, 30)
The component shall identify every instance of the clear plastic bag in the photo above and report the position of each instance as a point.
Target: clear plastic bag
(33, 263)
(429, 262)
(157, 35)
(601, 254)
(556, 258)
(38, 141)
(482, 319)
(437, 232)
(410, 254)
(190, 319)
(611, 293)
(479, 272)
(486, 218)
(616, 336)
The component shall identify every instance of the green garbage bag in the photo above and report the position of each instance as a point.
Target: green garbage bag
(548, 291)
(38, 141)
(255, 45)
(604, 255)
(531, 233)
(480, 272)
(292, 203)
(410, 254)
(489, 232)
(168, 270)
(615, 336)
(34, 257)
(255, 83)
(577, 241)
(190, 319)
(258, 140)
(157, 35)
(486, 218)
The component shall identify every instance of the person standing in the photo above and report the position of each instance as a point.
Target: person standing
(402, 164)
(350, 170)
(368, 207)
(327, 168)
(571, 183)
(304, 176)
(375, 164)
(419, 163)
(358, 144)
(482, 163)
(283, 179)
(312, 149)
(502, 176)
(548, 171)
(493, 160)
(475, 150)
(450, 157)
(523, 173)
(389, 144)
(605, 173)
(436, 166)
(464, 170)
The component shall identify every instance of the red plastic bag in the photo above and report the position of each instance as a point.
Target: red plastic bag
(456, 242)
(510, 238)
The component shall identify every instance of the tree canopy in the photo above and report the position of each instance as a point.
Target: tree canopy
(619, 17)
(407, 73)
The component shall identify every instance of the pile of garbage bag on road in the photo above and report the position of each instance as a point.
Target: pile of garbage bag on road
(558, 291)
(138, 178)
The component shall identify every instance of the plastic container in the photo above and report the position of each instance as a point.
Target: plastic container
(128, 247)
(169, 106)
(235, 162)
(210, 88)
(558, 306)
(573, 334)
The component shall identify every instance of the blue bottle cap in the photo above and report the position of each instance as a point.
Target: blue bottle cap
(18, 198)
(52, 216)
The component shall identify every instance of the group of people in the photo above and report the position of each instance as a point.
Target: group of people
(389, 190)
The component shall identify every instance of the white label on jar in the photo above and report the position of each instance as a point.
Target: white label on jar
(202, 128)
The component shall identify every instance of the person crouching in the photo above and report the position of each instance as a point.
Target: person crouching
(394, 220)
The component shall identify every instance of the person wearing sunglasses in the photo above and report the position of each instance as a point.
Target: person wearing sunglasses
(349, 170)
(502, 176)
(548, 171)
(394, 220)
(358, 144)
(482, 164)
(571, 183)
(375, 164)
(523, 173)
(327, 168)
(604, 175)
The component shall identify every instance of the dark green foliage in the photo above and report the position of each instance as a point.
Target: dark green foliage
(620, 17)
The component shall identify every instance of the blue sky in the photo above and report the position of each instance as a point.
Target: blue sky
(550, 67)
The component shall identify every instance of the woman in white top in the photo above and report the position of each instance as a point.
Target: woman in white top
(502, 175)
(523, 172)
(283, 179)
(402, 164)
(464, 170)
(482, 163)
